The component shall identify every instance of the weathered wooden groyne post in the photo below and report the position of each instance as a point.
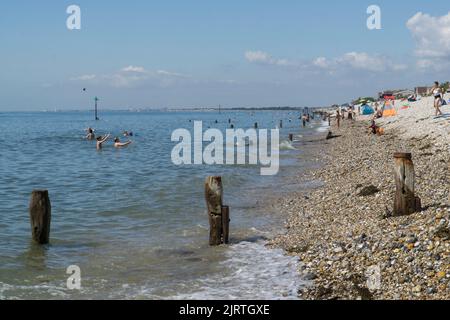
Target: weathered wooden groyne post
(406, 202)
(219, 215)
(281, 124)
(40, 216)
(291, 137)
(226, 224)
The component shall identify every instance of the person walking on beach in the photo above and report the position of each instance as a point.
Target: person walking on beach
(338, 118)
(437, 93)
(101, 140)
(351, 113)
(118, 144)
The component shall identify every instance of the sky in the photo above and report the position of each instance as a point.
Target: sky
(199, 53)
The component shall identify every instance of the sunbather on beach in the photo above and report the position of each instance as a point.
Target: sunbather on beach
(118, 144)
(378, 114)
(373, 127)
(101, 140)
(437, 93)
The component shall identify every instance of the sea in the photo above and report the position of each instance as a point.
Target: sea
(134, 223)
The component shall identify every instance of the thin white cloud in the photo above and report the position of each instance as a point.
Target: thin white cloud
(432, 39)
(365, 61)
(121, 80)
(349, 61)
(359, 61)
(86, 77)
(262, 57)
(132, 76)
(134, 69)
(321, 62)
(171, 74)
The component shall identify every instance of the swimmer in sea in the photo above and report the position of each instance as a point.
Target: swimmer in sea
(90, 134)
(101, 140)
(118, 144)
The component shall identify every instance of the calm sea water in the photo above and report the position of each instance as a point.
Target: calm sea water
(133, 222)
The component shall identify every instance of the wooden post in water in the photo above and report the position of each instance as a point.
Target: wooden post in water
(406, 202)
(281, 124)
(213, 197)
(96, 109)
(40, 216)
(291, 137)
(256, 125)
(226, 224)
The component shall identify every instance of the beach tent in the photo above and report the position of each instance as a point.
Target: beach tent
(366, 110)
(388, 109)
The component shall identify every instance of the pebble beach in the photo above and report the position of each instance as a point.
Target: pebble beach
(343, 231)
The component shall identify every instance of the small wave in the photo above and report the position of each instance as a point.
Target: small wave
(254, 272)
(323, 128)
(286, 145)
(17, 292)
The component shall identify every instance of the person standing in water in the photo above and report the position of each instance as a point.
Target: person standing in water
(304, 120)
(118, 144)
(90, 134)
(437, 93)
(101, 140)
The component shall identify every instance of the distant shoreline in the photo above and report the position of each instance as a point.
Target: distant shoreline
(187, 109)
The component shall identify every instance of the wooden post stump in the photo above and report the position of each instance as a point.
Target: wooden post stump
(219, 215)
(406, 202)
(40, 216)
(256, 125)
(226, 224)
(291, 137)
(281, 124)
(213, 197)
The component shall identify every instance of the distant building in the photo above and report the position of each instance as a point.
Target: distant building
(422, 91)
(400, 93)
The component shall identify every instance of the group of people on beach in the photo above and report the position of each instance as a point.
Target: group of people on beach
(340, 114)
(102, 139)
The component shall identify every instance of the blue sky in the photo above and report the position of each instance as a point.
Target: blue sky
(204, 53)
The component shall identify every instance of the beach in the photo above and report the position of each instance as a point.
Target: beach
(343, 231)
